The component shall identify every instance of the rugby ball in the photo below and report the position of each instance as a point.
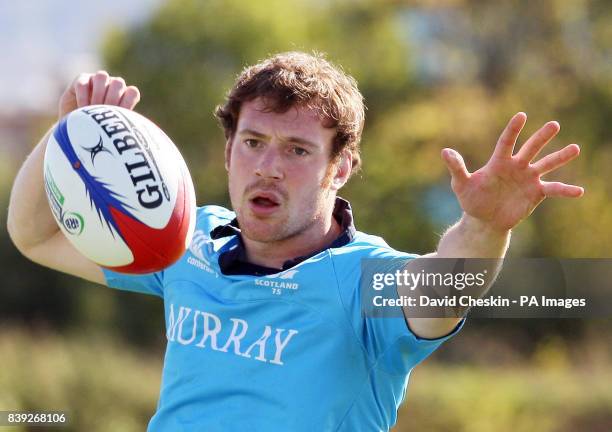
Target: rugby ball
(119, 189)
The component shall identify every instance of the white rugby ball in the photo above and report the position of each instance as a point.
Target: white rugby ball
(119, 189)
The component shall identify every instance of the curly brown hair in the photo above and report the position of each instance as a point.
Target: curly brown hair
(293, 79)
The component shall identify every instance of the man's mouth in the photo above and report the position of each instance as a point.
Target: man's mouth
(263, 203)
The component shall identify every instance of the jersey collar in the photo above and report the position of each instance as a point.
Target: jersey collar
(233, 261)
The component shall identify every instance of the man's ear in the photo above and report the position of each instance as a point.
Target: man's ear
(228, 153)
(342, 169)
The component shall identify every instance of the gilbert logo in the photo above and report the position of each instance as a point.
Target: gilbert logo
(135, 153)
(97, 149)
(279, 281)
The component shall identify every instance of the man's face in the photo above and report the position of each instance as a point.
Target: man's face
(281, 182)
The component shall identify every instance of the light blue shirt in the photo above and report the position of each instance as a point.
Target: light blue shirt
(284, 352)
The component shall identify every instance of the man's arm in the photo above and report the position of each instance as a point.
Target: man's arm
(495, 199)
(30, 223)
(32, 227)
(468, 238)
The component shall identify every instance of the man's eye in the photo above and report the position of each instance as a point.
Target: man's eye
(300, 151)
(252, 143)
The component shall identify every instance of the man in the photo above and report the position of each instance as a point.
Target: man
(263, 315)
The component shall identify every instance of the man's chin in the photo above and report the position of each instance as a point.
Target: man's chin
(264, 231)
(262, 235)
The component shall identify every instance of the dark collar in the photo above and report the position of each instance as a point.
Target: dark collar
(233, 261)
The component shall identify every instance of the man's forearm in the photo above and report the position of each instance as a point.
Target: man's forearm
(483, 247)
(471, 238)
(29, 219)
(468, 238)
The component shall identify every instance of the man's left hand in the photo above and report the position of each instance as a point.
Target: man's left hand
(508, 188)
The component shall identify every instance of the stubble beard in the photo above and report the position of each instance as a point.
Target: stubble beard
(272, 230)
(285, 228)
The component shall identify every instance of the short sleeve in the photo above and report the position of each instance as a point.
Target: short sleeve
(408, 350)
(151, 283)
(389, 342)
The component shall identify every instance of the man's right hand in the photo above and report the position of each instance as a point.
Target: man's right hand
(97, 88)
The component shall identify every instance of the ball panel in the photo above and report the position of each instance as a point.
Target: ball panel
(156, 248)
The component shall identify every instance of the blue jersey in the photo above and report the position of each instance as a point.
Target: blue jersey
(285, 352)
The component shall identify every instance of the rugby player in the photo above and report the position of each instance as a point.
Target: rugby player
(263, 318)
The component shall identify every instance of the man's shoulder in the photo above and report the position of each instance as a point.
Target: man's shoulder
(367, 246)
(355, 262)
(362, 239)
(216, 211)
(209, 217)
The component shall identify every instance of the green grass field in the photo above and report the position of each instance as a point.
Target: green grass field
(108, 386)
(517, 399)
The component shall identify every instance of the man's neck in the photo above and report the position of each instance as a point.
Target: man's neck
(274, 254)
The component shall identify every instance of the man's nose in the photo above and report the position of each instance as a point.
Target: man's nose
(270, 164)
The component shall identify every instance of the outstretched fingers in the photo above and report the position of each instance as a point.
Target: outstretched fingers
(456, 165)
(557, 159)
(537, 141)
(561, 190)
(550, 163)
(507, 140)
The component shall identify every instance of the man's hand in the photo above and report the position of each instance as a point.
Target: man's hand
(494, 200)
(98, 88)
(508, 188)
